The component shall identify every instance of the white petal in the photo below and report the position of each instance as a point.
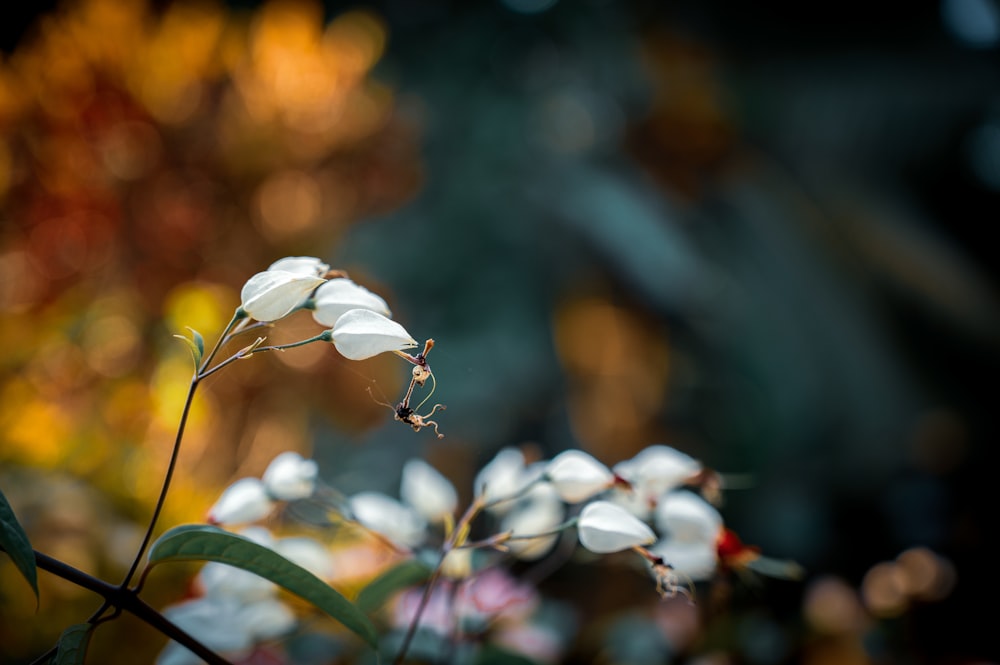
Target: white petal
(686, 517)
(694, 560)
(301, 265)
(503, 476)
(389, 517)
(333, 299)
(308, 553)
(212, 622)
(289, 477)
(244, 501)
(272, 294)
(362, 333)
(577, 476)
(430, 493)
(266, 619)
(541, 512)
(604, 528)
(220, 580)
(657, 469)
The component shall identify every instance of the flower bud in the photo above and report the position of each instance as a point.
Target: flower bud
(383, 514)
(273, 294)
(685, 517)
(538, 513)
(430, 493)
(362, 333)
(577, 476)
(658, 469)
(604, 528)
(290, 477)
(504, 476)
(244, 501)
(338, 296)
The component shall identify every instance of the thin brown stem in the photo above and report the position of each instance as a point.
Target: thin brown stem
(171, 466)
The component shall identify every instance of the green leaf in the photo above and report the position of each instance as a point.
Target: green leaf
(72, 647)
(199, 342)
(196, 345)
(15, 542)
(379, 590)
(197, 542)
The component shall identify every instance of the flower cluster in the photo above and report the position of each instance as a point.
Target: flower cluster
(358, 322)
(660, 504)
(652, 504)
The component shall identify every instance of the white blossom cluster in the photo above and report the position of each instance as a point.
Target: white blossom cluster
(359, 320)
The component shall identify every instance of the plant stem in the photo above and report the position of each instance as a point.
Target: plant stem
(171, 465)
(126, 599)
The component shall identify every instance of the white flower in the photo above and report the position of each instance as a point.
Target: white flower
(577, 476)
(696, 561)
(430, 493)
(383, 514)
(362, 333)
(244, 501)
(340, 295)
(539, 512)
(273, 294)
(289, 477)
(301, 265)
(225, 626)
(657, 469)
(685, 517)
(502, 477)
(604, 528)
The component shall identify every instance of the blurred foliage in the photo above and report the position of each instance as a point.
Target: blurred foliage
(752, 234)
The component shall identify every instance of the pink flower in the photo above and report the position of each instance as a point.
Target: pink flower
(495, 594)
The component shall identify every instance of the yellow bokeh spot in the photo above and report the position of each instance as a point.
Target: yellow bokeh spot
(204, 307)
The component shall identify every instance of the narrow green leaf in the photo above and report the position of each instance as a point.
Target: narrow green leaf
(197, 542)
(15, 542)
(199, 342)
(379, 590)
(196, 351)
(72, 647)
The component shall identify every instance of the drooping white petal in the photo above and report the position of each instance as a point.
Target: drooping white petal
(696, 561)
(503, 476)
(577, 476)
(273, 294)
(362, 333)
(686, 517)
(604, 528)
(658, 468)
(301, 265)
(430, 493)
(383, 514)
(244, 501)
(333, 299)
(289, 476)
(541, 511)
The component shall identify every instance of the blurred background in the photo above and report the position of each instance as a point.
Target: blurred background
(757, 233)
